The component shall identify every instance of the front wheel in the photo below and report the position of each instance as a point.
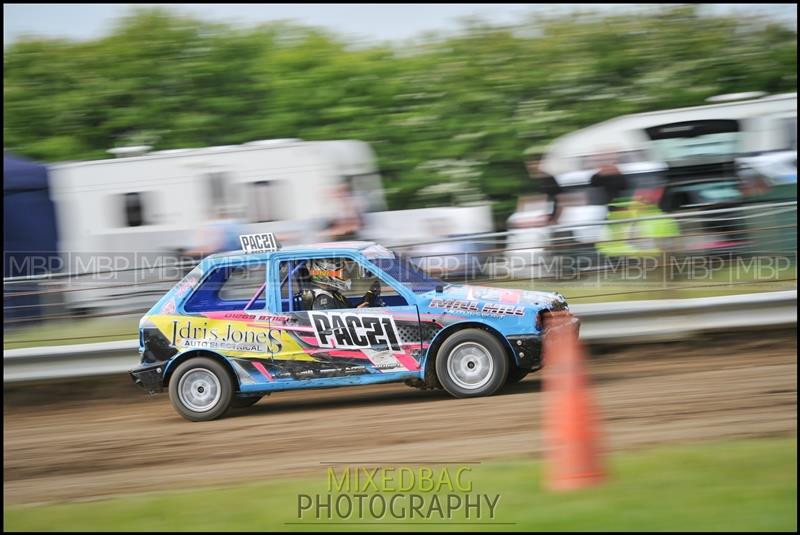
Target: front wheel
(201, 389)
(471, 363)
(516, 375)
(241, 402)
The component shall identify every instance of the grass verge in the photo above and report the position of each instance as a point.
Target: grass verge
(727, 486)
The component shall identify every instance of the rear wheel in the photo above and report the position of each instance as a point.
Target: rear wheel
(471, 363)
(201, 389)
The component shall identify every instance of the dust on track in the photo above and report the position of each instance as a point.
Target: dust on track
(115, 440)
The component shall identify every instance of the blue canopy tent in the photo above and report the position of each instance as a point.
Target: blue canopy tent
(30, 236)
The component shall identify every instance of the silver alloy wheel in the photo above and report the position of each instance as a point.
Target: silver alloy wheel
(199, 390)
(470, 365)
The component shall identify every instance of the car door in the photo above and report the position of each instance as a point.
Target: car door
(329, 330)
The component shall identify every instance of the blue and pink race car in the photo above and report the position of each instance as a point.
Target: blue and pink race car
(243, 325)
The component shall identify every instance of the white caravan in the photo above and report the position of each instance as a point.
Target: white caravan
(137, 211)
(157, 201)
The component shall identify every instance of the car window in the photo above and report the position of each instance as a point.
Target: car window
(725, 191)
(342, 280)
(230, 288)
(698, 195)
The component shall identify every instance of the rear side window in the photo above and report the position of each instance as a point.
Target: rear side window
(231, 288)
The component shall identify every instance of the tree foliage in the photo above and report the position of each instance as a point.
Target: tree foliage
(461, 109)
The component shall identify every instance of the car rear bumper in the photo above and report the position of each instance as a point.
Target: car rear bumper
(149, 377)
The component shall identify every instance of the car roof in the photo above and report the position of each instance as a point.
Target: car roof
(350, 246)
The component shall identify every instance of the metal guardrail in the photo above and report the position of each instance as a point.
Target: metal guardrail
(61, 362)
(600, 323)
(665, 318)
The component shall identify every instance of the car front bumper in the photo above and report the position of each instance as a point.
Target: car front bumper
(527, 350)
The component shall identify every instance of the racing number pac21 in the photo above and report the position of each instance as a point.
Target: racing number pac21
(258, 243)
(354, 331)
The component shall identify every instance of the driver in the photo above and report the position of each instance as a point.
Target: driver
(330, 278)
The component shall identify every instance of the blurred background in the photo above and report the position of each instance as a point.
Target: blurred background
(611, 152)
(478, 147)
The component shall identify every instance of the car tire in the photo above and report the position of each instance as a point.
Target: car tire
(516, 375)
(201, 389)
(242, 402)
(471, 363)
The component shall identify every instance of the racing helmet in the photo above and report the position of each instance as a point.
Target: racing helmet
(329, 274)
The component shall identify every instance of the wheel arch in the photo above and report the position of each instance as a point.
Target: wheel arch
(183, 357)
(428, 365)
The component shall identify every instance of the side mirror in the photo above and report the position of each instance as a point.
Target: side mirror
(439, 288)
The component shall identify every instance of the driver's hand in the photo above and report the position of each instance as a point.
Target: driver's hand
(372, 295)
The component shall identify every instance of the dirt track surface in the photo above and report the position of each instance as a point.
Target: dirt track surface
(730, 386)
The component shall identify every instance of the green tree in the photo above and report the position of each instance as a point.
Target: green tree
(458, 111)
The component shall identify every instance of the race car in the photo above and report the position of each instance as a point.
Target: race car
(244, 324)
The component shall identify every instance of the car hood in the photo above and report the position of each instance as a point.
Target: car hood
(501, 296)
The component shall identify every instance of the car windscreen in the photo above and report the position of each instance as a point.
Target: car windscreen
(408, 274)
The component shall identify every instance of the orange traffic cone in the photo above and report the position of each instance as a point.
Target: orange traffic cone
(570, 425)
